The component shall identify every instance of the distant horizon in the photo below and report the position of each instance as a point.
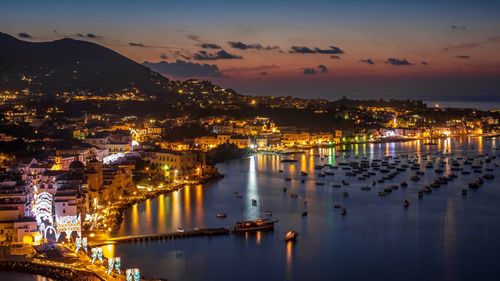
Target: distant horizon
(443, 103)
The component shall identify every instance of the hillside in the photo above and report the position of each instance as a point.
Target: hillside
(72, 65)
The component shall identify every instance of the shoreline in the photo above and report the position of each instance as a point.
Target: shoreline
(114, 217)
(292, 150)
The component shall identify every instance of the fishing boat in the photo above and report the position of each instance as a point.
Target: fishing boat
(221, 215)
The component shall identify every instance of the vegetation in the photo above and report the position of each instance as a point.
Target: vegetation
(225, 152)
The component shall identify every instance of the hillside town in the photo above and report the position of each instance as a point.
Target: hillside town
(85, 162)
(68, 172)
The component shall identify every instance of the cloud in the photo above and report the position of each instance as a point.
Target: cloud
(424, 62)
(464, 57)
(469, 45)
(194, 38)
(459, 27)
(24, 35)
(306, 50)
(335, 57)
(309, 71)
(141, 45)
(313, 71)
(132, 44)
(220, 55)
(264, 73)
(210, 46)
(251, 68)
(367, 61)
(255, 46)
(398, 62)
(88, 36)
(181, 54)
(163, 56)
(185, 69)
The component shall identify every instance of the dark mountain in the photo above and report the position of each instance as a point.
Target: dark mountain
(72, 65)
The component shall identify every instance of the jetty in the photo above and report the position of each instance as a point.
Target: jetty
(163, 236)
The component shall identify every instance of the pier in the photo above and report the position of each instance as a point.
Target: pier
(164, 236)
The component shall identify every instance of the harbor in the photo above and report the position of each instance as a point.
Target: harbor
(364, 221)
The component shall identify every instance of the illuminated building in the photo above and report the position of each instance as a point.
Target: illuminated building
(209, 142)
(184, 162)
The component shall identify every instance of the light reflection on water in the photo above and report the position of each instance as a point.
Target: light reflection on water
(440, 237)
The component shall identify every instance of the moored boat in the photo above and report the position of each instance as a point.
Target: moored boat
(291, 235)
(254, 225)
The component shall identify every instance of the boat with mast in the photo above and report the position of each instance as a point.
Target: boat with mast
(253, 225)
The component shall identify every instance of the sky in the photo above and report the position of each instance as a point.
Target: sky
(432, 50)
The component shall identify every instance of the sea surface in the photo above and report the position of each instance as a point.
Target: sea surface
(443, 236)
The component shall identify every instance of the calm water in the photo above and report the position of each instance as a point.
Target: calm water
(443, 236)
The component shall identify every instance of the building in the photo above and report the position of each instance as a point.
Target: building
(209, 142)
(118, 147)
(179, 162)
(295, 139)
(240, 141)
(224, 128)
(20, 230)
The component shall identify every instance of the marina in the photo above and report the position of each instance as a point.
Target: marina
(388, 218)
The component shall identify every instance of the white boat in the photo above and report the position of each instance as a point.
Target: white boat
(291, 235)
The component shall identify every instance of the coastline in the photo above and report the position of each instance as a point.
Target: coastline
(114, 216)
(296, 149)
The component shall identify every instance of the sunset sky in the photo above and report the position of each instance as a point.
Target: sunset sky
(423, 49)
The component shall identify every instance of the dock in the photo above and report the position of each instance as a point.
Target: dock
(164, 236)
